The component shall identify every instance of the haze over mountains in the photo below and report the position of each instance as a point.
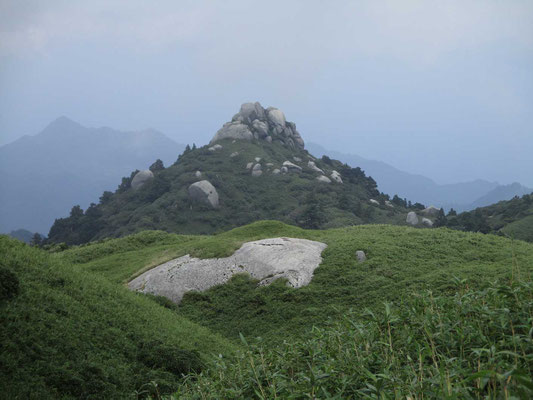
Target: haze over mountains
(44, 175)
(68, 164)
(463, 196)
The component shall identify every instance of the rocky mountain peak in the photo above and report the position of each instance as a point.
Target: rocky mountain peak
(255, 122)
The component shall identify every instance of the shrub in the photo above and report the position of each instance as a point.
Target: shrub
(9, 284)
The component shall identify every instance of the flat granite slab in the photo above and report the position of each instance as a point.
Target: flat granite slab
(265, 260)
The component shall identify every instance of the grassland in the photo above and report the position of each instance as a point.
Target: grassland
(68, 333)
(400, 261)
(432, 313)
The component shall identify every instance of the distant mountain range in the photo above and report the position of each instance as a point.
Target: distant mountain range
(255, 168)
(44, 175)
(462, 196)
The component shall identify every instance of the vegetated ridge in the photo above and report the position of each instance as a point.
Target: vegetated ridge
(255, 168)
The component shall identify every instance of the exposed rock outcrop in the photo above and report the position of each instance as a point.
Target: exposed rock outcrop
(374, 201)
(215, 147)
(412, 218)
(141, 178)
(291, 167)
(360, 255)
(431, 211)
(204, 192)
(323, 178)
(427, 222)
(256, 170)
(265, 260)
(198, 174)
(312, 165)
(253, 121)
(336, 176)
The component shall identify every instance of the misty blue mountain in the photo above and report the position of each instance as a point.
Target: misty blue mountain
(44, 175)
(461, 196)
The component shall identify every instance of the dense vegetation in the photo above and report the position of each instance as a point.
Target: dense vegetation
(400, 261)
(294, 198)
(65, 333)
(512, 218)
(473, 344)
(433, 313)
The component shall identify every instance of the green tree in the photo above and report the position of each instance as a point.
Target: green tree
(441, 219)
(157, 166)
(37, 239)
(76, 212)
(313, 214)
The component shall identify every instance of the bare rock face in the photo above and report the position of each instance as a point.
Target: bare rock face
(312, 165)
(427, 222)
(336, 176)
(254, 122)
(361, 256)
(431, 211)
(291, 167)
(204, 192)
(323, 178)
(265, 260)
(374, 201)
(412, 218)
(141, 178)
(256, 170)
(233, 130)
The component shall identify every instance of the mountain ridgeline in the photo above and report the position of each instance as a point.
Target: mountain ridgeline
(512, 218)
(66, 164)
(255, 167)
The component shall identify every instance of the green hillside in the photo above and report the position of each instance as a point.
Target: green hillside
(257, 168)
(66, 333)
(512, 218)
(433, 312)
(294, 198)
(401, 260)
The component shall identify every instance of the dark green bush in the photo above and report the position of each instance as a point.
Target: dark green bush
(9, 284)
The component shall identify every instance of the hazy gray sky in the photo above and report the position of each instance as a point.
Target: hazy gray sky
(441, 88)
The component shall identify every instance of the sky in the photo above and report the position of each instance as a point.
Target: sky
(439, 88)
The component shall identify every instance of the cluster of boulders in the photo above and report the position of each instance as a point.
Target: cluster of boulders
(288, 167)
(255, 122)
(429, 212)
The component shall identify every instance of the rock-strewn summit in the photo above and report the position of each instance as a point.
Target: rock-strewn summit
(255, 122)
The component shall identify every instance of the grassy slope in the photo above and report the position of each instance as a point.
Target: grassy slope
(72, 334)
(400, 260)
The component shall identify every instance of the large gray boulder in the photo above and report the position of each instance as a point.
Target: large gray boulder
(427, 222)
(141, 178)
(360, 255)
(431, 211)
(276, 116)
(233, 130)
(336, 176)
(292, 167)
(312, 165)
(256, 170)
(204, 192)
(412, 218)
(265, 260)
(323, 178)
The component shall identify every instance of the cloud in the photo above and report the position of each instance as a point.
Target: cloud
(276, 31)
